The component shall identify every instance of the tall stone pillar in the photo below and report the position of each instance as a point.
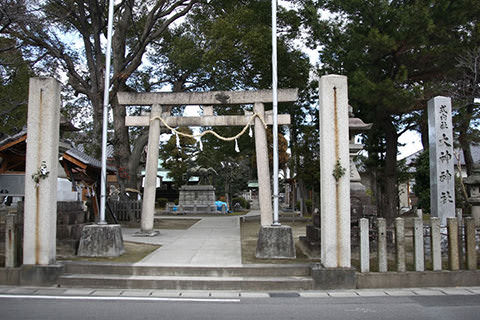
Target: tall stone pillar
(263, 171)
(274, 242)
(442, 175)
(151, 169)
(43, 126)
(334, 172)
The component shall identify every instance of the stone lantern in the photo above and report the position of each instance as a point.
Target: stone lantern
(359, 199)
(473, 181)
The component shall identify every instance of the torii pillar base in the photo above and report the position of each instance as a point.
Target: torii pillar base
(275, 242)
(99, 240)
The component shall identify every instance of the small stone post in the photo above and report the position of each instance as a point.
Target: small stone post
(43, 124)
(364, 246)
(334, 172)
(382, 245)
(442, 180)
(435, 240)
(10, 241)
(452, 225)
(400, 244)
(419, 254)
(470, 245)
(151, 170)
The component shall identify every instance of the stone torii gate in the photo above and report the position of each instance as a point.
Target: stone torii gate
(208, 99)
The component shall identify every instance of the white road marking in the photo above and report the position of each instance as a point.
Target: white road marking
(20, 296)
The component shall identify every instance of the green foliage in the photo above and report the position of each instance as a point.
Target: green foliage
(396, 54)
(162, 202)
(241, 201)
(422, 181)
(178, 159)
(14, 77)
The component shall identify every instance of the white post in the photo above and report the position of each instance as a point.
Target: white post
(334, 172)
(275, 113)
(382, 245)
(43, 126)
(364, 246)
(106, 92)
(419, 253)
(436, 243)
(151, 169)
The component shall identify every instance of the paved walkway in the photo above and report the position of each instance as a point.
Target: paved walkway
(213, 241)
(151, 293)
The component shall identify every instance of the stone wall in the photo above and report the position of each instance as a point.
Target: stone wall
(71, 218)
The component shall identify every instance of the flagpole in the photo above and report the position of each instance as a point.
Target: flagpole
(275, 113)
(106, 92)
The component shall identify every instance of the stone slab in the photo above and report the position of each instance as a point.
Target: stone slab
(107, 292)
(205, 98)
(78, 292)
(101, 241)
(275, 242)
(314, 294)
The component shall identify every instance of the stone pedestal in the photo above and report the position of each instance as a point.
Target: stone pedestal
(197, 199)
(275, 242)
(101, 241)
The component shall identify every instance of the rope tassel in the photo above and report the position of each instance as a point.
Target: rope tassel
(237, 149)
(250, 133)
(178, 140)
(200, 144)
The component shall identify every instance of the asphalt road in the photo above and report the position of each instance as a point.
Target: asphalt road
(371, 308)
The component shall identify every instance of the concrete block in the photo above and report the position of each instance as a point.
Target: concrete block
(101, 241)
(35, 275)
(9, 276)
(275, 242)
(333, 278)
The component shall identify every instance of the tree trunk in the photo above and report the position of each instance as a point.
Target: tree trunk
(390, 195)
(134, 161)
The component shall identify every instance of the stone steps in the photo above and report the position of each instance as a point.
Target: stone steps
(254, 277)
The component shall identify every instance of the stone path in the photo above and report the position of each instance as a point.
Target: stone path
(213, 241)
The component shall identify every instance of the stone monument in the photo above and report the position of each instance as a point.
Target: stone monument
(442, 176)
(197, 199)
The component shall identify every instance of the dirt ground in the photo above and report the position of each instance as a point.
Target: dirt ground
(134, 252)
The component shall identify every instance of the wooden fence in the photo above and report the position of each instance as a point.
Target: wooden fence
(426, 245)
(126, 210)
